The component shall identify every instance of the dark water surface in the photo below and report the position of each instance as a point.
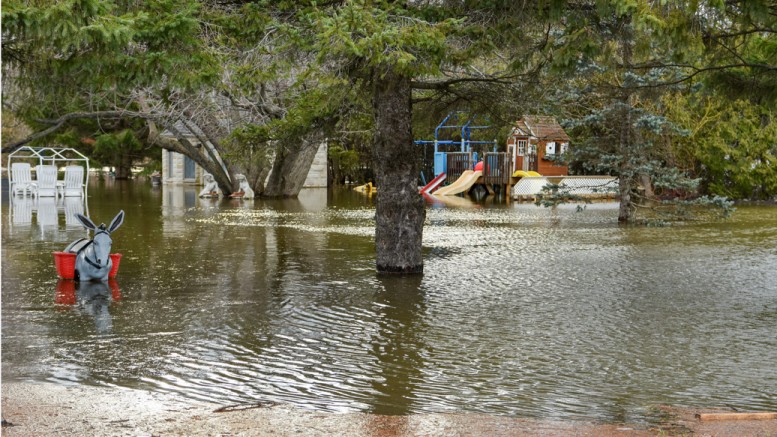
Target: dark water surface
(522, 311)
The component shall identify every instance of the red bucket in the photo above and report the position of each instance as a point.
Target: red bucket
(116, 258)
(66, 264)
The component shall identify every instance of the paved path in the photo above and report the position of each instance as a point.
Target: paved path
(33, 409)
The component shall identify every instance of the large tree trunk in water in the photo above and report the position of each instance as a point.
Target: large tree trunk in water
(223, 178)
(624, 195)
(124, 168)
(626, 173)
(256, 178)
(400, 213)
(291, 169)
(625, 176)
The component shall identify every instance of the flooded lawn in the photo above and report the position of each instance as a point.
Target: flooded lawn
(522, 311)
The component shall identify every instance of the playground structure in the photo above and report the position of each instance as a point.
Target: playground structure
(538, 143)
(461, 185)
(455, 165)
(532, 161)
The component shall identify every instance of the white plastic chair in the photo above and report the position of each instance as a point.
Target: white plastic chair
(21, 177)
(46, 180)
(74, 181)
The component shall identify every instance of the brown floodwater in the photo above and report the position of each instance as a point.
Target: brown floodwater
(522, 311)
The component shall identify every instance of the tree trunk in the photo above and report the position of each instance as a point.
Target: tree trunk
(626, 173)
(256, 178)
(624, 195)
(183, 146)
(124, 167)
(400, 213)
(291, 169)
(646, 183)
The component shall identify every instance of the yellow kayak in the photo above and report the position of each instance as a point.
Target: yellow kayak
(366, 188)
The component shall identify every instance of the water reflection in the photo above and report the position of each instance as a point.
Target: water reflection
(398, 344)
(74, 206)
(521, 311)
(47, 212)
(91, 298)
(449, 201)
(21, 211)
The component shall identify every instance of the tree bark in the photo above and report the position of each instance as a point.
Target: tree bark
(291, 169)
(400, 213)
(626, 173)
(624, 195)
(182, 146)
(124, 168)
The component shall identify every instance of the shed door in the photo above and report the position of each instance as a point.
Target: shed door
(188, 168)
(170, 157)
(530, 160)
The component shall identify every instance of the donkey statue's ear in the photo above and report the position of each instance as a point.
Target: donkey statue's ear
(88, 224)
(117, 221)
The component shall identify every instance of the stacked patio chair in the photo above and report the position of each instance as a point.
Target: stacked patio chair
(21, 178)
(46, 180)
(74, 181)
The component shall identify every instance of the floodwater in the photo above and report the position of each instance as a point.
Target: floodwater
(522, 311)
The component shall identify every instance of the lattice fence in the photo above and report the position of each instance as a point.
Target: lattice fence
(585, 186)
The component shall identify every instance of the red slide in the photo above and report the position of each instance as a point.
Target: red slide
(434, 183)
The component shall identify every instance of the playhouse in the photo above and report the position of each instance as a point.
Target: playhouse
(534, 146)
(534, 142)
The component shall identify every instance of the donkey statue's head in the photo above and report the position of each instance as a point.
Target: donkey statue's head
(93, 262)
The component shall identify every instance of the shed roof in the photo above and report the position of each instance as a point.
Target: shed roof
(542, 127)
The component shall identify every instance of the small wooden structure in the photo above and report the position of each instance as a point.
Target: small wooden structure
(535, 142)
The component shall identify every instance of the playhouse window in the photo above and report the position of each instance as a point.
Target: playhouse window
(564, 147)
(550, 148)
(521, 147)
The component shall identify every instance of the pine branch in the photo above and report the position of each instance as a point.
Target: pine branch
(445, 84)
(61, 121)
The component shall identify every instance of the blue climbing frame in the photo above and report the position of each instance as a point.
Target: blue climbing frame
(440, 161)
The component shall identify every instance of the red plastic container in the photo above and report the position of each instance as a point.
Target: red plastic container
(116, 258)
(65, 264)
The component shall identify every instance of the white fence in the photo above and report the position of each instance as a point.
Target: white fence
(585, 186)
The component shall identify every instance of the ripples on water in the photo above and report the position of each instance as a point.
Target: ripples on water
(521, 311)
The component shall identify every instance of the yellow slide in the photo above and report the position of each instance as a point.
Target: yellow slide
(523, 174)
(462, 184)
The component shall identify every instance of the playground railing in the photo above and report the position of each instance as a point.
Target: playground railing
(496, 168)
(458, 163)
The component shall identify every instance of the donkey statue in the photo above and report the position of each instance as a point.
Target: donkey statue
(93, 261)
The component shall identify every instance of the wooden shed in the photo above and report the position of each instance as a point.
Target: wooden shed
(534, 142)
